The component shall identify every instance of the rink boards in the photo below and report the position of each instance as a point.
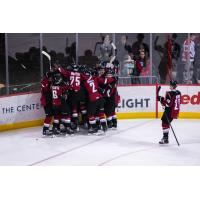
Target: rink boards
(24, 110)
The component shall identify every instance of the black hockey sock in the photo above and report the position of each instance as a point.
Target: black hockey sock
(84, 118)
(94, 125)
(56, 125)
(98, 124)
(67, 125)
(165, 135)
(56, 128)
(92, 128)
(104, 126)
(114, 121)
(109, 123)
(45, 128)
(75, 122)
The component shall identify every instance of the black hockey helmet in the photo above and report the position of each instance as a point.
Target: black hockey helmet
(86, 70)
(75, 67)
(110, 72)
(102, 64)
(116, 63)
(94, 72)
(48, 74)
(81, 68)
(57, 78)
(173, 83)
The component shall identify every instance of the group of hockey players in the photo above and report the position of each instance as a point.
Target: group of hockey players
(79, 96)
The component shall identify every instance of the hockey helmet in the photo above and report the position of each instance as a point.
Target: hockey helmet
(94, 72)
(87, 70)
(102, 64)
(75, 68)
(57, 78)
(173, 83)
(110, 72)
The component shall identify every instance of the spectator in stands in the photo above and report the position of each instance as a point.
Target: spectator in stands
(71, 54)
(140, 65)
(163, 67)
(127, 47)
(123, 50)
(98, 45)
(107, 51)
(140, 45)
(197, 60)
(188, 59)
(2, 63)
(140, 62)
(88, 59)
(128, 66)
(176, 50)
(53, 55)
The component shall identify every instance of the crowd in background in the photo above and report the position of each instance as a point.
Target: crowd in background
(175, 60)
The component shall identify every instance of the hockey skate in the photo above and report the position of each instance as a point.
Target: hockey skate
(75, 127)
(114, 123)
(109, 123)
(56, 131)
(102, 130)
(164, 141)
(69, 131)
(47, 133)
(92, 129)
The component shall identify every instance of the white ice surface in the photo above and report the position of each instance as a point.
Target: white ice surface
(135, 142)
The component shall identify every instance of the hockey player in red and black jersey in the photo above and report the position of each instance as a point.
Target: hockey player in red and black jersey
(76, 94)
(46, 102)
(171, 103)
(95, 103)
(47, 98)
(60, 102)
(108, 87)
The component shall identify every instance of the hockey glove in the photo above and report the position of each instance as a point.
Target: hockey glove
(161, 99)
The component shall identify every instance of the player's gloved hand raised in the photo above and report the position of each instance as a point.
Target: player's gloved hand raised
(161, 99)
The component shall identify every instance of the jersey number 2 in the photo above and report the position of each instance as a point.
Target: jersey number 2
(93, 87)
(177, 104)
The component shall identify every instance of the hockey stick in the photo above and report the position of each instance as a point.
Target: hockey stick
(158, 90)
(48, 56)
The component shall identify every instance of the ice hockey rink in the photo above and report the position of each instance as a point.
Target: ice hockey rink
(135, 142)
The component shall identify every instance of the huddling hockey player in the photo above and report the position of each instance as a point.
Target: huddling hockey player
(108, 87)
(95, 101)
(171, 103)
(46, 102)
